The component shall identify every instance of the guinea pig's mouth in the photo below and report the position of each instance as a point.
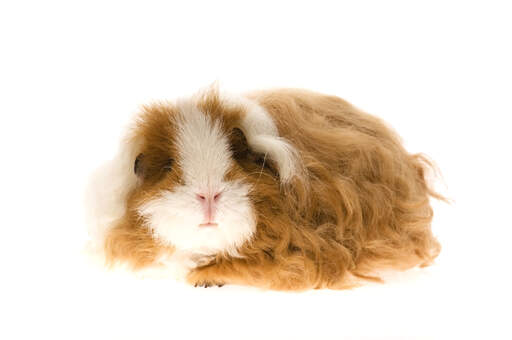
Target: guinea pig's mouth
(209, 224)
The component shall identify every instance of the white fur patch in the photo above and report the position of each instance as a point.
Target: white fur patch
(176, 266)
(175, 218)
(108, 189)
(204, 150)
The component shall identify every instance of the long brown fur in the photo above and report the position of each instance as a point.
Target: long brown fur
(360, 203)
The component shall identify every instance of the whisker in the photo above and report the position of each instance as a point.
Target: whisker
(262, 166)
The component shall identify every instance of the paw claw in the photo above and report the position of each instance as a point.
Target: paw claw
(207, 284)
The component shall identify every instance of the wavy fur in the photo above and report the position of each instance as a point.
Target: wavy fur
(350, 200)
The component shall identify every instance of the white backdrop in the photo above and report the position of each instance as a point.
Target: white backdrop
(72, 74)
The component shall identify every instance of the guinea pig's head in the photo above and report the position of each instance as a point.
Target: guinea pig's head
(194, 170)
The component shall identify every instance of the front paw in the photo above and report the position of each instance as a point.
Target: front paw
(208, 284)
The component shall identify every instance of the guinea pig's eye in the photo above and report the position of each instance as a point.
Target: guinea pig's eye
(137, 168)
(168, 164)
(245, 156)
(239, 145)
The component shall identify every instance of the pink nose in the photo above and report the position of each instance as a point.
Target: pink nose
(209, 203)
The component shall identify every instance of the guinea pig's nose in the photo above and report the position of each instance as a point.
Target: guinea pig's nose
(208, 202)
(208, 197)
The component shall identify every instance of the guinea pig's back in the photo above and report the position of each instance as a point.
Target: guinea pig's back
(319, 119)
(361, 176)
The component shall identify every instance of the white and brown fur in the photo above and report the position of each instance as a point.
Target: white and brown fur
(305, 191)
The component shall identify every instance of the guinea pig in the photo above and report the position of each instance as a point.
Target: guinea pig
(280, 189)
